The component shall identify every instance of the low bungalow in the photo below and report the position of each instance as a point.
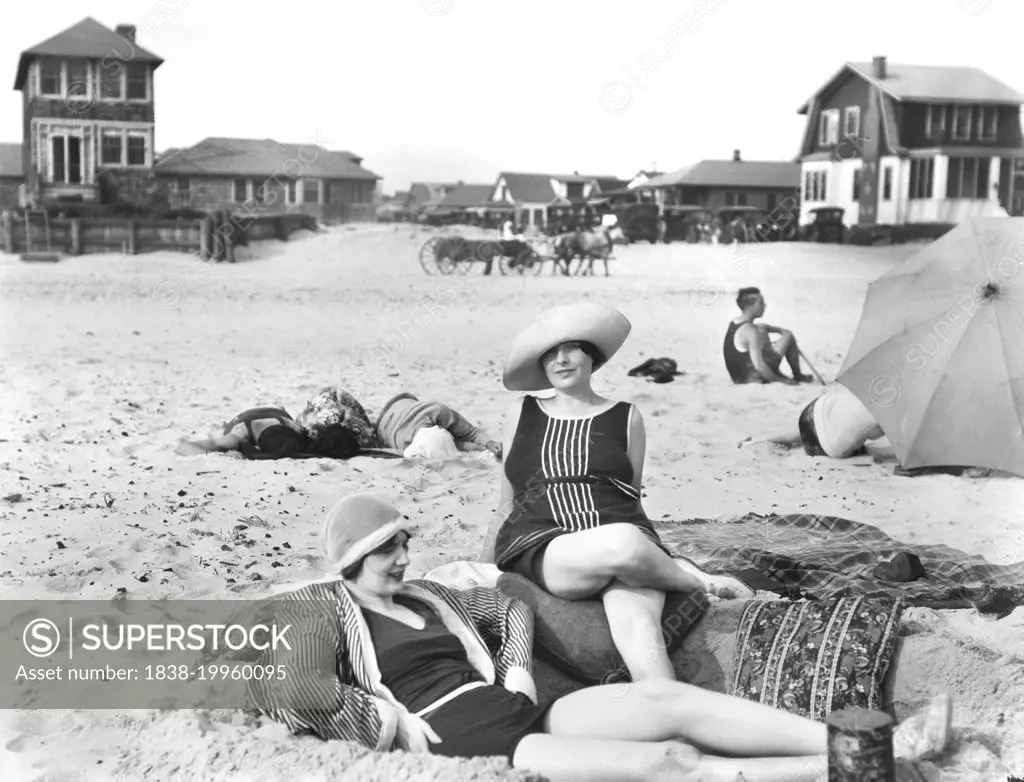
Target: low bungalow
(267, 175)
(715, 183)
(428, 194)
(531, 194)
(11, 176)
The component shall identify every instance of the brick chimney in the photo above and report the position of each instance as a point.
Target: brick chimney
(736, 156)
(127, 30)
(878, 67)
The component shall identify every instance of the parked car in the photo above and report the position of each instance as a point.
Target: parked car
(742, 223)
(827, 226)
(687, 223)
(639, 222)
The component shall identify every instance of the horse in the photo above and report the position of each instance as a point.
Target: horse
(589, 246)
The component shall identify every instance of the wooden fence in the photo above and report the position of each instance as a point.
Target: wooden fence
(209, 237)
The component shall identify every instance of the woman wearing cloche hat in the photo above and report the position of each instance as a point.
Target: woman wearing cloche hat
(573, 472)
(403, 664)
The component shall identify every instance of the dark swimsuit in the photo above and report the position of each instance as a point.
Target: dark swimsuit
(422, 666)
(567, 475)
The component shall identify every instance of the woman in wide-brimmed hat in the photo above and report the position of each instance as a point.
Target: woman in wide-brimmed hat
(403, 664)
(574, 461)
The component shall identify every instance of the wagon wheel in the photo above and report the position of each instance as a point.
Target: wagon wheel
(465, 265)
(428, 257)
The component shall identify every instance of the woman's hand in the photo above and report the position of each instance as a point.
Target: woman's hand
(413, 734)
(519, 680)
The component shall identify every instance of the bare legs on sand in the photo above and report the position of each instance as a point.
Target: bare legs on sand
(631, 575)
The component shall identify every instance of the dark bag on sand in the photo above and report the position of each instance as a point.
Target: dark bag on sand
(573, 635)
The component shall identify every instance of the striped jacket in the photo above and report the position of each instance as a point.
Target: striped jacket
(332, 659)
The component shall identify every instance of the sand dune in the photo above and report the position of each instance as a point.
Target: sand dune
(106, 361)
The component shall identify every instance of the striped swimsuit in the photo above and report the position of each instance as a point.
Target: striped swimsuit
(567, 475)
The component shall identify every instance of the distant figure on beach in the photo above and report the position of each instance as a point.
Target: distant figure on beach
(405, 416)
(750, 355)
(835, 424)
(573, 523)
(271, 433)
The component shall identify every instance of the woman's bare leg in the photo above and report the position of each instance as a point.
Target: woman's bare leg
(664, 711)
(581, 564)
(634, 619)
(562, 759)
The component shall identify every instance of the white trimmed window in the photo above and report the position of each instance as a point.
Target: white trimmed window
(51, 78)
(111, 148)
(828, 128)
(182, 184)
(290, 194)
(988, 123)
(124, 147)
(137, 81)
(967, 177)
(922, 171)
(815, 186)
(935, 123)
(962, 123)
(240, 190)
(111, 77)
(851, 122)
(311, 191)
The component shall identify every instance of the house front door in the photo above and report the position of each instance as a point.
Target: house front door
(66, 159)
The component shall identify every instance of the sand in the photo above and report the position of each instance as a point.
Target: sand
(107, 361)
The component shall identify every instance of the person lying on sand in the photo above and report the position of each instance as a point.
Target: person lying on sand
(750, 355)
(405, 415)
(835, 424)
(270, 433)
(571, 518)
(412, 668)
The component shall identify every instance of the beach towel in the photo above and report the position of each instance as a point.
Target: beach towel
(827, 556)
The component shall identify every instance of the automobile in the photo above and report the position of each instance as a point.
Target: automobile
(827, 225)
(639, 222)
(742, 223)
(687, 222)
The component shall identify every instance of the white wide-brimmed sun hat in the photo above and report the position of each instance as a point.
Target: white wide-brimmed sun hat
(604, 327)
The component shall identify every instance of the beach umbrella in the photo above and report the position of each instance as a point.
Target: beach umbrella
(938, 356)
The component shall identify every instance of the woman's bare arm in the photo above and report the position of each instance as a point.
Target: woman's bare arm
(637, 450)
(506, 494)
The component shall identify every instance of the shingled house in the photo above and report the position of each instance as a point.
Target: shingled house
(88, 103)
(267, 175)
(897, 144)
(531, 194)
(11, 175)
(736, 182)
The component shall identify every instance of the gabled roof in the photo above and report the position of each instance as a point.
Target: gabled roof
(530, 188)
(930, 83)
(262, 157)
(732, 173)
(611, 183)
(10, 161)
(464, 196)
(88, 39)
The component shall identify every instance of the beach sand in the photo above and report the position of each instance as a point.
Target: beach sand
(107, 361)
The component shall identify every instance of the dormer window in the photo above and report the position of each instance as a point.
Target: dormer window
(51, 82)
(961, 123)
(851, 122)
(828, 128)
(935, 124)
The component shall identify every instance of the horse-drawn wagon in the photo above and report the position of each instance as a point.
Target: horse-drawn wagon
(458, 254)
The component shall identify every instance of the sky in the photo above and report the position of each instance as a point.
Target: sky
(455, 90)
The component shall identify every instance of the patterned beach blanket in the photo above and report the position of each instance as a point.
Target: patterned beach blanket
(818, 557)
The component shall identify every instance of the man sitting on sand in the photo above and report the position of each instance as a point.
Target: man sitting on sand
(836, 424)
(404, 417)
(750, 356)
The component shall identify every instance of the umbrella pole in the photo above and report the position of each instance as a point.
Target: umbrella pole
(811, 367)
